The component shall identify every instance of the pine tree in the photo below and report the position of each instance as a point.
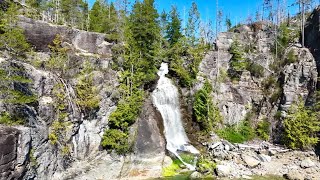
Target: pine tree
(193, 24)
(174, 27)
(206, 113)
(15, 93)
(301, 127)
(11, 36)
(143, 35)
(97, 17)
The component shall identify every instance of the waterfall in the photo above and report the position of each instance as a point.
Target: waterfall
(166, 99)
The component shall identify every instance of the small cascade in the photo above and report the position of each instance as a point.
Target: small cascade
(166, 99)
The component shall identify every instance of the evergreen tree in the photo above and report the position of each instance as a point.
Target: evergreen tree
(143, 35)
(104, 19)
(97, 17)
(164, 23)
(15, 93)
(238, 63)
(301, 127)
(193, 24)
(206, 113)
(174, 27)
(11, 36)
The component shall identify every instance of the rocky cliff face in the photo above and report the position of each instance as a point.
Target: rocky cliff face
(28, 152)
(312, 35)
(238, 99)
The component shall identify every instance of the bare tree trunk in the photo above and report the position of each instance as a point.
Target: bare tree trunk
(302, 25)
(217, 63)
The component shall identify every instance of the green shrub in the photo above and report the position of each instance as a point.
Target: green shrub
(238, 63)
(223, 75)
(278, 115)
(11, 36)
(256, 70)
(7, 119)
(286, 35)
(263, 130)
(187, 158)
(291, 58)
(117, 140)
(276, 95)
(206, 113)
(87, 94)
(268, 83)
(301, 126)
(127, 112)
(172, 170)
(205, 165)
(237, 134)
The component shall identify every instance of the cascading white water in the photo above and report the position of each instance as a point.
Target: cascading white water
(166, 98)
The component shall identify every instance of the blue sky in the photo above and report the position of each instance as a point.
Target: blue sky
(237, 10)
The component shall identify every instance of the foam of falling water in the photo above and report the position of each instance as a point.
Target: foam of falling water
(166, 98)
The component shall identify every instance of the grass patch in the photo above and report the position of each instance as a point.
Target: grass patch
(187, 158)
(237, 134)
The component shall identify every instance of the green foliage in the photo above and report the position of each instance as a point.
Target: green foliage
(256, 70)
(187, 158)
(58, 130)
(205, 165)
(15, 93)
(139, 63)
(60, 124)
(301, 126)
(58, 61)
(172, 169)
(291, 58)
(33, 159)
(11, 36)
(142, 42)
(104, 19)
(7, 119)
(223, 75)
(286, 36)
(127, 112)
(193, 24)
(263, 130)
(173, 32)
(237, 63)
(114, 139)
(206, 113)
(237, 133)
(228, 23)
(275, 95)
(87, 94)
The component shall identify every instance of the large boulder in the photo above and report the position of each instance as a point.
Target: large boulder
(250, 161)
(41, 34)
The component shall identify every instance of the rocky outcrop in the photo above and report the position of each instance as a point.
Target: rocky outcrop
(145, 162)
(41, 34)
(15, 144)
(312, 35)
(236, 100)
(299, 78)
